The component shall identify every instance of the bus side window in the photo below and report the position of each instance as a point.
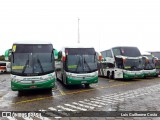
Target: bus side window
(110, 65)
(109, 54)
(119, 62)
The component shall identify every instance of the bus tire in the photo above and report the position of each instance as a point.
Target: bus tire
(20, 92)
(108, 74)
(87, 86)
(113, 75)
(62, 80)
(49, 89)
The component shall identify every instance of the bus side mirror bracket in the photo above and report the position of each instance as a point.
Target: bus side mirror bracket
(59, 55)
(99, 56)
(63, 56)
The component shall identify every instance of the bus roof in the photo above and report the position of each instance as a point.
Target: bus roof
(154, 51)
(145, 53)
(124, 47)
(120, 47)
(32, 42)
(76, 46)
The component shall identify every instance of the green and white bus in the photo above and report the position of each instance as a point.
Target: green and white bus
(157, 54)
(149, 68)
(78, 66)
(32, 66)
(121, 63)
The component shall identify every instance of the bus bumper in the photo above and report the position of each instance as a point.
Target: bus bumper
(74, 81)
(154, 74)
(15, 86)
(132, 76)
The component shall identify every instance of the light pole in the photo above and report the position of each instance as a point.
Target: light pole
(78, 32)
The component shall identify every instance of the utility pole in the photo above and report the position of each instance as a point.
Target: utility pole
(78, 32)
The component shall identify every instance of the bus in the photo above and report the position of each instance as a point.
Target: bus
(78, 65)
(2, 67)
(5, 66)
(121, 63)
(149, 68)
(32, 66)
(157, 54)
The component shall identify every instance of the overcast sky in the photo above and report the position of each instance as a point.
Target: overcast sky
(103, 23)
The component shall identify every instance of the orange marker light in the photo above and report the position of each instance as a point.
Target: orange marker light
(124, 60)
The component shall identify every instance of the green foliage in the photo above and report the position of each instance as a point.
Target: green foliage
(2, 58)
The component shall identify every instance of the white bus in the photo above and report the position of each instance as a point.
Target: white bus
(78, 66)
(121, 62)
(32, 66)
(149, 68)
(5, 66)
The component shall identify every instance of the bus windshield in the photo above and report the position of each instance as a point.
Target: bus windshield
(32, 60)
(81, 60)
(156, 54)
(150, 64)
(133, 64)
(127, 51)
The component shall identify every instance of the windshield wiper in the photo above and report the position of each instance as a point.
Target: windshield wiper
(78, 64)
(39, 62)
(27, 62)
(87, 64)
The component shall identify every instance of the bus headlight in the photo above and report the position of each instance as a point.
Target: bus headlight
(70, 76)
(15, 80)
(96, 74)
(48, 78)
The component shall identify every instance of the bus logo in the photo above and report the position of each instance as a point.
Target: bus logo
(33, 81)
(6, 114)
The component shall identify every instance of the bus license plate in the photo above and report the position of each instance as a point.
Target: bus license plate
(84, 82)
(33, 86)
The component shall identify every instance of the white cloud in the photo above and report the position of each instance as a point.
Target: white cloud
(103, 23)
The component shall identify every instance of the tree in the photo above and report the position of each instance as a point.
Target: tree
(2, 58)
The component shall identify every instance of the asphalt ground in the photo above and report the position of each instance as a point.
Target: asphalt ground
(77, 97)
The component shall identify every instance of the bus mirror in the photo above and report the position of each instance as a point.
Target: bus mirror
(100, 57)
(147, 61)
(6, 58)
(60, 55)
(55, 54)
(63, 57)
(7, 54)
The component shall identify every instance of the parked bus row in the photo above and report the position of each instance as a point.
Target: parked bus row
(37, 66)
(33, 66)
(127, 63)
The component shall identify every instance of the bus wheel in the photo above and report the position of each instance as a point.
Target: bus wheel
(62, 80)
(20, 93)
(49, 89)
(86, 85)
(108, 75)
(113, 75)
